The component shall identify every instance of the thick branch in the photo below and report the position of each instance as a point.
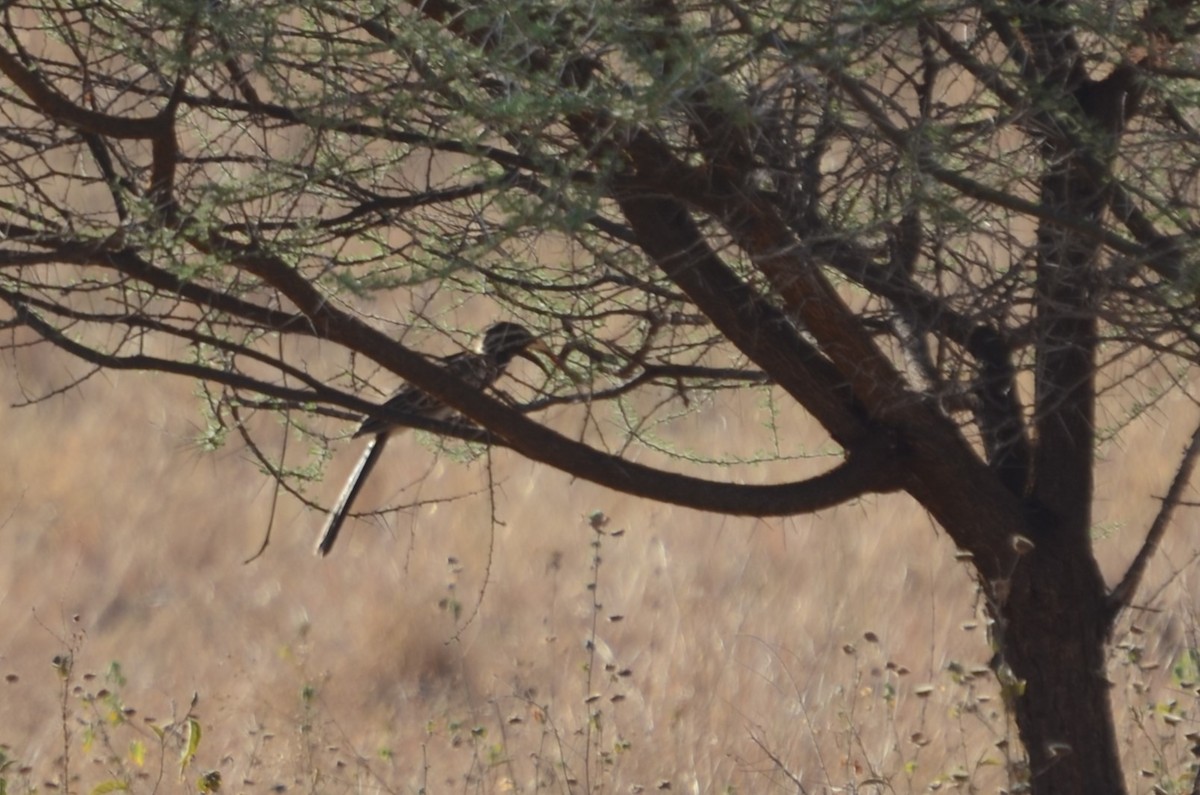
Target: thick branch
(872, 467)
(1066, 299)
(62, 110)
(760, 232)
(999, 412)
(861, 474)
(669, 236)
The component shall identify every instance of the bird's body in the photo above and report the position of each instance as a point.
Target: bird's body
(502, 342)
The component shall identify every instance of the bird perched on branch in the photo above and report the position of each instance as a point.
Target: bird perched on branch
(502, 342)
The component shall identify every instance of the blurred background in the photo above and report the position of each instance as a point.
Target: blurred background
(470, 638)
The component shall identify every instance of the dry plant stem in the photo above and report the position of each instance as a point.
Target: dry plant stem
(597, 523)
(65, 717)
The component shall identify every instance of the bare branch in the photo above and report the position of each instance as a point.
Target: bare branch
(1121, 596)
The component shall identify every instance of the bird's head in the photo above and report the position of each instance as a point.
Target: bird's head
(503, 341)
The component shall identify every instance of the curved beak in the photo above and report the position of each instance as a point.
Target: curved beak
(544, 349)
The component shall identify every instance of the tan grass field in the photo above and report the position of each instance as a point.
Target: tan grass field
(727, 654)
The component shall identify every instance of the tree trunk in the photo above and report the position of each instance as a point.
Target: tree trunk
(1051, 666)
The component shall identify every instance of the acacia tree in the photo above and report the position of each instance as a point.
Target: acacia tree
(942, 229)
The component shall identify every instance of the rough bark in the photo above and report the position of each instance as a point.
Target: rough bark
(1051, 627)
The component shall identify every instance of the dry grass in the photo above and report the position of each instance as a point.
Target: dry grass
(440, 649)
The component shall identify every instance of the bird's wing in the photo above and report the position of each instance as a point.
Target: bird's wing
(470, 367)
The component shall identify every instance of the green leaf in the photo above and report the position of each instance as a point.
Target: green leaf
(137, 753)
(193, 742)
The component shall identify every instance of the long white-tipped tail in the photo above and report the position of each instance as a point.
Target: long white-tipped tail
(341, 509)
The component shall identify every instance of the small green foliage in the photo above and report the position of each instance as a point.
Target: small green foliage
(1185, 672)
(191, 745)
(137, 753)
(496, 755)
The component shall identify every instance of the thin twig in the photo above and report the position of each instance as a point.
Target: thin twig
(1122, 594)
